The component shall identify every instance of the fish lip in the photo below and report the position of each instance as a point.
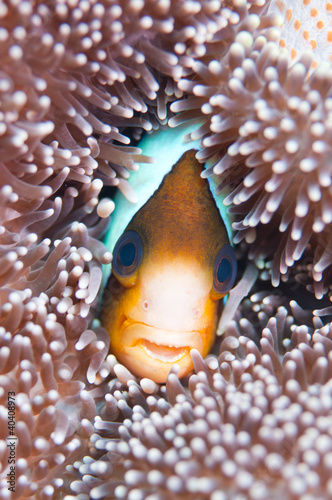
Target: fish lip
(171, 354)
(189, 339)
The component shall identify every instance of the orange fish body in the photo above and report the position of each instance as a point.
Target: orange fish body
(171, 265)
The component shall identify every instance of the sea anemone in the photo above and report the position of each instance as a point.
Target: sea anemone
(267, 133)
(78, 80)
(254, 422)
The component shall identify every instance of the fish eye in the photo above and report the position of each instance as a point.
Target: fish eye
(127, 255)
(225, 269)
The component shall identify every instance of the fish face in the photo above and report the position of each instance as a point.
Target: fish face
(154, 323)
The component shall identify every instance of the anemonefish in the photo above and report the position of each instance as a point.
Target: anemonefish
(172, 262)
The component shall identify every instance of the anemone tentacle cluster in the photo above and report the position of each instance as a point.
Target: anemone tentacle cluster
(75, 77)
(252, 423)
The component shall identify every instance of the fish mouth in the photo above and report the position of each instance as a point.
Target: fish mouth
(151, 351)
(165, 353)
(167, 346)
